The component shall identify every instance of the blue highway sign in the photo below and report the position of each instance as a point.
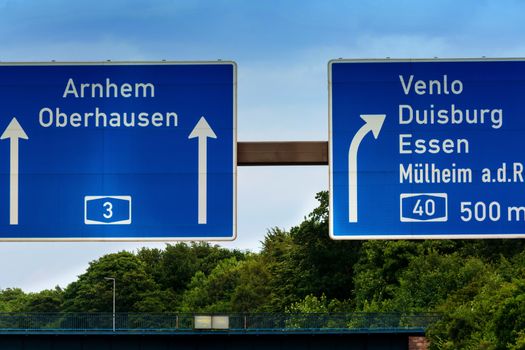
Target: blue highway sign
(427, 149)
(118, 151)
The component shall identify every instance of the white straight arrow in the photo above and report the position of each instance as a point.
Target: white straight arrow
(13, 132)
(202, 130)
(373, 123)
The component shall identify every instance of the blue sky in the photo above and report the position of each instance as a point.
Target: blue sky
(282, 49)
(252, 30)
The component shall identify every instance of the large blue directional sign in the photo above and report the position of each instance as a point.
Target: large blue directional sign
(118, 151)
(427, 149)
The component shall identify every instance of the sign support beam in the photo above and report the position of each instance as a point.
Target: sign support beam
(282, 153)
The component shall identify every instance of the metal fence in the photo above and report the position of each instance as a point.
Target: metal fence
(245, 323)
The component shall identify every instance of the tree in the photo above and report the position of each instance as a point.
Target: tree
(252, 292)
(177, 266)
(278, 246)
(49, 300)
(487, 312)
(509, 317)
(378, 269)
(156, 301)
(92, 293)
(306, 261)
(313, 304)
(152, 259)
(213, 293)
(12, 300)
(430, 279)
(174, 267)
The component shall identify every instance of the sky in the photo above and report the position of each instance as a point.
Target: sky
(282, 49)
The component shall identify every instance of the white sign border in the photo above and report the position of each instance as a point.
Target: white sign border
(330, 155)
(149, 239)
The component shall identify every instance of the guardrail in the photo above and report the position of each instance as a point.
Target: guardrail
(231, 323)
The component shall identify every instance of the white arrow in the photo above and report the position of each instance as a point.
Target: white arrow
(373, 123)
(13, 132)
(202, 130)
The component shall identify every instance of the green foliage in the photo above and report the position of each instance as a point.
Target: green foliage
(509, 317)
(306, 261)
(378, 269)
(428, 280)
(277, 249)
(45, 301)
(313, 304)
(213, 293)
(92, 293)
(477, 285)
(252, 292)
(12, 300)
(485, 313)
(174, 267)
(520, 341)
(156, 301)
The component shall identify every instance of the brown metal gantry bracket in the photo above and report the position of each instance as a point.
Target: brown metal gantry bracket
(282, 153)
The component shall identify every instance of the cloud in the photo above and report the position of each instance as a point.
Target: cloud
(98, 50)
(283, 100)
(282, 48)
(37, 266)
(275, 197)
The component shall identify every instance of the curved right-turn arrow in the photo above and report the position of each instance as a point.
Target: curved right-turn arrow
(373, 123)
